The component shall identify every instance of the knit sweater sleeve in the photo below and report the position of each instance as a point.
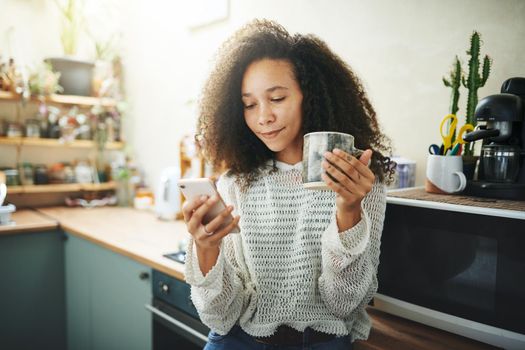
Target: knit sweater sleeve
(218, 296)
(350, 259)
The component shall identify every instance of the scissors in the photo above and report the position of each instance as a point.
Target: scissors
(435, 149)
(447, 137)
(464, 129)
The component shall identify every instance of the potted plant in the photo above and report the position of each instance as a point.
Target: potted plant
(472, 82)
(454, 82)
(43, 81)
(75, 74)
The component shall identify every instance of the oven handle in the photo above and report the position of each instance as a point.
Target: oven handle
(175, 322)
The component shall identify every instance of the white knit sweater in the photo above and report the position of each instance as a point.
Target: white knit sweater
(289, 265)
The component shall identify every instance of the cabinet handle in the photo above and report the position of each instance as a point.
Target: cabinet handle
(144, 275)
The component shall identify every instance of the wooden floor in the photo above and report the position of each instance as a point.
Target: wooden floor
(394, 333)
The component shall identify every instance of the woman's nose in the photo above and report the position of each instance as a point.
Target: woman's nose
(265, 115)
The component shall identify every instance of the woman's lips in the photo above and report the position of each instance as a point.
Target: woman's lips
(271, 134)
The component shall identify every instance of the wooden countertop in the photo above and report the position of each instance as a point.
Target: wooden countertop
(27, 220)
(129, 232)
(418, 197)
(396, 333)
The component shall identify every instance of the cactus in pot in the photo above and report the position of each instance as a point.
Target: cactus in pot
(454, 82)
(474, 81)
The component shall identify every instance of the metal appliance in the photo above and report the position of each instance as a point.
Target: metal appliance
(501, 167)
(167, 195)
(176, 324)
(457, 268)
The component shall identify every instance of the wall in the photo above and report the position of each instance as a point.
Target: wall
(400, 50)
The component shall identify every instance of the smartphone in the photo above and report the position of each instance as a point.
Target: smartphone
(195, 188)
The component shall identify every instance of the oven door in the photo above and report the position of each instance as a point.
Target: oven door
(465, 265)
(175, 329)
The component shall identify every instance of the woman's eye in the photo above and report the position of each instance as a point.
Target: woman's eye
(278, 99)
(248, 106)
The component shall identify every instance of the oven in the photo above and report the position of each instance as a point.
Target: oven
(458, 271)
(176, 324)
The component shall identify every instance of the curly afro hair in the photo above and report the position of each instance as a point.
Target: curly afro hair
(333, 100)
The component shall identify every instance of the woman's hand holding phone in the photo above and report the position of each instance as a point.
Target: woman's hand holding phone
(207, 218)
(207, 235)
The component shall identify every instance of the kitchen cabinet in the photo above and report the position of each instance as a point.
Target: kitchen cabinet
(78, 255)
(105, 297)
(32, 308)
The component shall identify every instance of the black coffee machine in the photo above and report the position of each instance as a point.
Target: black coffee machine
(501, 167)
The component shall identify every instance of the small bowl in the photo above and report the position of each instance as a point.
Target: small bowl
(5, 213)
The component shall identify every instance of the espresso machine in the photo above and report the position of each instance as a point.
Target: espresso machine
(501, 126)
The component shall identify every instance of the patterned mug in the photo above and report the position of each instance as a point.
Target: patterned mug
(314, 146)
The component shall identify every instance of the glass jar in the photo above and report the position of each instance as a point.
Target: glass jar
(56, 173)
(14, 130)
(12, 177)
(27, 173)
(41, 176)
(32, 128)
(69, 174)
(83, 172)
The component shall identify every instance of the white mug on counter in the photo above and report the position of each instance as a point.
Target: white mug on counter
(445, 174)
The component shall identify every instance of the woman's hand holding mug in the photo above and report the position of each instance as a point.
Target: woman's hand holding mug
(352, 180)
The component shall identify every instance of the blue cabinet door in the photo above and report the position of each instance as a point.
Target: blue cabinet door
(106, 297)
(32, 309)
(120, 289)
(78, 256)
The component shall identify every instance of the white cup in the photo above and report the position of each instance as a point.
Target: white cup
(445, 174)
(314, 146)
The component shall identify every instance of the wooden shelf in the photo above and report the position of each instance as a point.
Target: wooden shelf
(70, 100)
(8, 96)
(29, 141)
(61, 188)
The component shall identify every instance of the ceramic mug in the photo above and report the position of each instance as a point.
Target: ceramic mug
(314, 146)
(445, 174)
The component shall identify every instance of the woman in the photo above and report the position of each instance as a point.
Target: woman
(304, 266)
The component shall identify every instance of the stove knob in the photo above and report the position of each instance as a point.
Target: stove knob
(164, 288)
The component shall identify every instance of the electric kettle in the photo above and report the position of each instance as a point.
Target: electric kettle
(167, 194)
